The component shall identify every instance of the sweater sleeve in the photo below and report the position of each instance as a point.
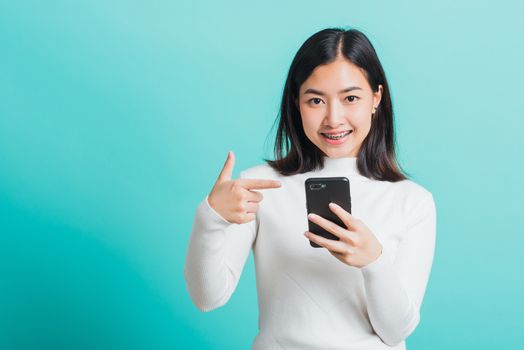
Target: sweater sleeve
(216, 256)
(395, 287)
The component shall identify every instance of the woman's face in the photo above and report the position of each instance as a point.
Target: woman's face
(335, 98)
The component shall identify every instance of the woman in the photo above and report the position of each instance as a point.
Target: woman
(362, 291)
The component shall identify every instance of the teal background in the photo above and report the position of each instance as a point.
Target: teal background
(116, 118)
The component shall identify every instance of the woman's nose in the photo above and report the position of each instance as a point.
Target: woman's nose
(334, 114)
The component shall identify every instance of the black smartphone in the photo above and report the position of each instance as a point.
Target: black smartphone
(320, 191)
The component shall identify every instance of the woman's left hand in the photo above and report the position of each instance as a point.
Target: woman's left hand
(357, 245)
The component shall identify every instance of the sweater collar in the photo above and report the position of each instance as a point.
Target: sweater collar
(342, 166)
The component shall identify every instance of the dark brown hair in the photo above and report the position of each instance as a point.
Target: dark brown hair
(376, 158)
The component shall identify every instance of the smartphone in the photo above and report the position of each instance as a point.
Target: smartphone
(320, 191)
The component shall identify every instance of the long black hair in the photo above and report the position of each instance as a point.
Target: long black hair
(376, 157)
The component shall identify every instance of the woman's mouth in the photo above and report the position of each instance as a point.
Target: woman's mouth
(336, 138)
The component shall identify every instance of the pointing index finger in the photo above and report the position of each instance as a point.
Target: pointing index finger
(259, 184)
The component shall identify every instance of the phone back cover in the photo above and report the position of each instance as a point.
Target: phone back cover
(320, 191)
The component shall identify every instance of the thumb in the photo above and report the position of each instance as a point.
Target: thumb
(227, 170)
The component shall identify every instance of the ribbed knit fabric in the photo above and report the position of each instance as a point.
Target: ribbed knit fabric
(307, 298)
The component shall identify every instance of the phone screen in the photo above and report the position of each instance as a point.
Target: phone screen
(320, 191)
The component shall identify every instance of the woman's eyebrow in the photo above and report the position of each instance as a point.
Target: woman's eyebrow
(317, 92)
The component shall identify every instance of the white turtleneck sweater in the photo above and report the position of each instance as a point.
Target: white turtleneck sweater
(307, 298)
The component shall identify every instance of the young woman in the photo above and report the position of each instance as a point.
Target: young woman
(362, 291)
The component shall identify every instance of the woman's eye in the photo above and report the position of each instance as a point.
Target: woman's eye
(352, 98)
(315, 99)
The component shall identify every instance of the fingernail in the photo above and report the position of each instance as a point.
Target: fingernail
(333, 205)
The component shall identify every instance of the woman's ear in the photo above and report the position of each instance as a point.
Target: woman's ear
(377, 96)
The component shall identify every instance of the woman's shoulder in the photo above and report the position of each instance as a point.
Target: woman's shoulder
(413, 188)
(413, 193)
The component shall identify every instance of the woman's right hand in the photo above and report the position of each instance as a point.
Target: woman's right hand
(235, 200)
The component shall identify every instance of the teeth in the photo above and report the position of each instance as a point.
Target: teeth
(336, 136)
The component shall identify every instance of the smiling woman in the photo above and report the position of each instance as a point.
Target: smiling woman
(364, 289)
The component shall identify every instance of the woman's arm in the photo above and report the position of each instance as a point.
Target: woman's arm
(216, 256)
(395, 287)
